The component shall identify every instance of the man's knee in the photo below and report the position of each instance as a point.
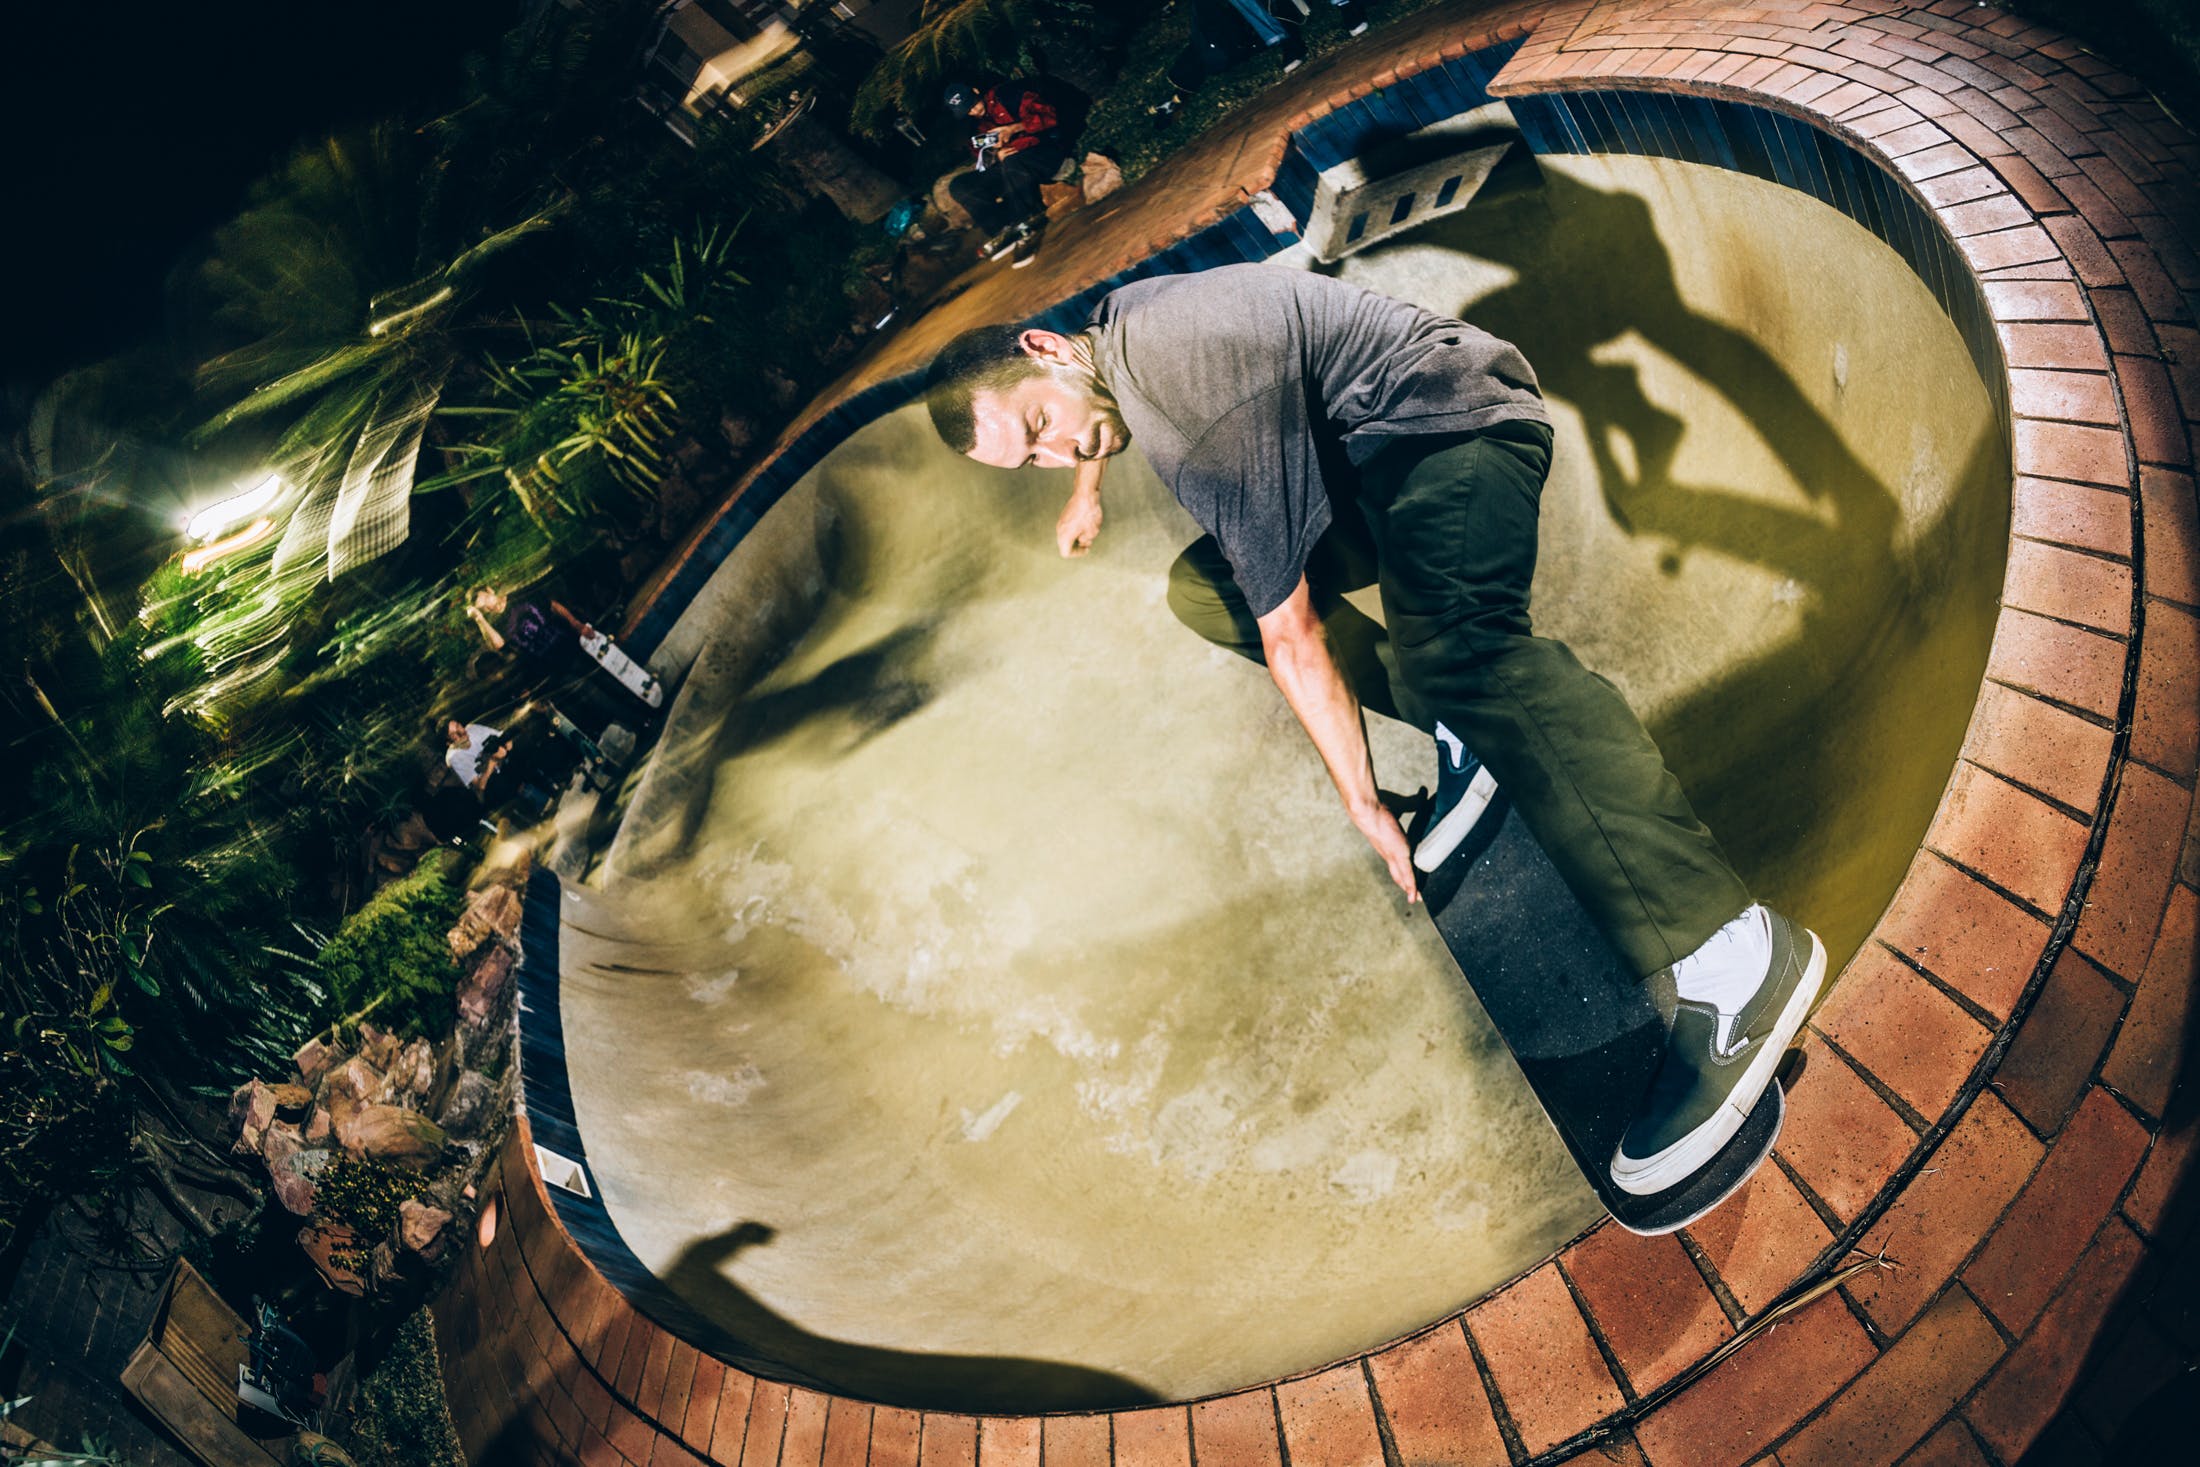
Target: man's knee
(1207, 603)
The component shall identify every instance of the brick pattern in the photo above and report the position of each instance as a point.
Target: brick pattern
(2015, 1216)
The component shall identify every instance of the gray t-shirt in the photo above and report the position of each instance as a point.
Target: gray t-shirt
(1245, 385)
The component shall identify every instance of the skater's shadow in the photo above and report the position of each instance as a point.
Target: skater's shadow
(908, 1377)
(1875, 598)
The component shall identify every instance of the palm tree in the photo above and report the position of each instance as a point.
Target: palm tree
(348, 328)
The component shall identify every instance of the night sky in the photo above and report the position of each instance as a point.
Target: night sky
(134, 127)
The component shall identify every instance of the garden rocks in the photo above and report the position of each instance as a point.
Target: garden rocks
(315, 1059)
(481, 991)
(377, 1047)
(413, 1075)
(493, 911)
(472, 1102)
(390, 1133)
(251, 1112)
(354, 1082)
(423, 1229)
(292, 1166)
(332, 1248)
(292, 1101)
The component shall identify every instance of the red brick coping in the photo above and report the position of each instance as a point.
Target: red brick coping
(1985, 1095)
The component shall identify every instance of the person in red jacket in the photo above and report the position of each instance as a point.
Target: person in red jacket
(1016, 144)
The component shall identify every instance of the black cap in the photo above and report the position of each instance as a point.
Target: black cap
(961, 97)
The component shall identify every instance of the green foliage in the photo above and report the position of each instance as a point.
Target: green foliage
(592, 408)
(394, 953)
(400, 1417)
(364, 1196)
(961, 38)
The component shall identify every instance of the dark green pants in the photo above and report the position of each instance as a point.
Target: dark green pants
(1447, 532)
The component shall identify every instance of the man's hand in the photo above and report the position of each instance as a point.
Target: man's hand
(1383, 833)
(1079, 524)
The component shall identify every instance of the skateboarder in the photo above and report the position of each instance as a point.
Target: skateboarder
(1325, 436)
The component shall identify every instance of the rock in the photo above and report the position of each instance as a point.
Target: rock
(382, 1266)
(292, 1101)
(494, 911)
(472, 1101)
(315, 1059)
(739, 432)
(390, 1133)
(377, 1047)
(293, 1166)
(318, 1127)
(413, 1075)
(334, 1249)
(481, 991)
(354, 1080)
(251, 1112)
(1102, 176)
(420, 1228)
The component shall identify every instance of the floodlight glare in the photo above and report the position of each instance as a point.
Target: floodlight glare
(206, 522)
(198, 560)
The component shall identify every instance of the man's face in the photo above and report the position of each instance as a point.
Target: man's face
(1054, 419)
(455, 732)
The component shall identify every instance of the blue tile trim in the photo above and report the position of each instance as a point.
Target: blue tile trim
(548, 1098)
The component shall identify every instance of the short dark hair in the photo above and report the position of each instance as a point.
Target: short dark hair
(982, 359)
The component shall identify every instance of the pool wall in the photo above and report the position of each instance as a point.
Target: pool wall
(2043, 941)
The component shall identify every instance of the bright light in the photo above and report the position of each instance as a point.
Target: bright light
(250, 502)
(197, 560)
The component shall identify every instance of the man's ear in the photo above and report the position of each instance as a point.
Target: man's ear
(1048, 346)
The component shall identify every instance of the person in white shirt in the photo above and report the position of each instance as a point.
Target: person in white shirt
(475, 753)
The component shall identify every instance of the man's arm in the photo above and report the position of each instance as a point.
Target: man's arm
(1079, 524)
(1306, 671)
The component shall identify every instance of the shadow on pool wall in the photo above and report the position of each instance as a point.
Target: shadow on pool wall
(1779, 510)
(1778, 519)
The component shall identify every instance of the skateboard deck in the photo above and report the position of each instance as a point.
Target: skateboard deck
(1582, 1028)
(632, 676)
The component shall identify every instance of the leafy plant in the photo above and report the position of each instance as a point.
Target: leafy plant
(392, 957)
(594, 405)
(400, 1416)
(365, 1196)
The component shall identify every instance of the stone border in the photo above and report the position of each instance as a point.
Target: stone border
(1986, 1089)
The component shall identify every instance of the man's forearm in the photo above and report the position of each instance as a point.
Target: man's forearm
(1311, 682)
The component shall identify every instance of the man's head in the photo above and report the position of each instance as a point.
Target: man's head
(1012, 397)
(963, 99)
(488, 600)
(454, 734)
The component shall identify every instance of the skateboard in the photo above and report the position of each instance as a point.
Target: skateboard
(1583, 1029)
(632, 676)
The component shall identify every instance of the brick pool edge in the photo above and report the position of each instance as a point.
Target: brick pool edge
(1986, 1090)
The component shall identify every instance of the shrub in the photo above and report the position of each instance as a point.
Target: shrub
(394, 953)
(400, 1417)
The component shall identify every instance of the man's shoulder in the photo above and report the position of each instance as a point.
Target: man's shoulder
(1197, 301)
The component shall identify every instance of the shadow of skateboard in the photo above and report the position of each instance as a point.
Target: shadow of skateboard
(1583, 1029)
